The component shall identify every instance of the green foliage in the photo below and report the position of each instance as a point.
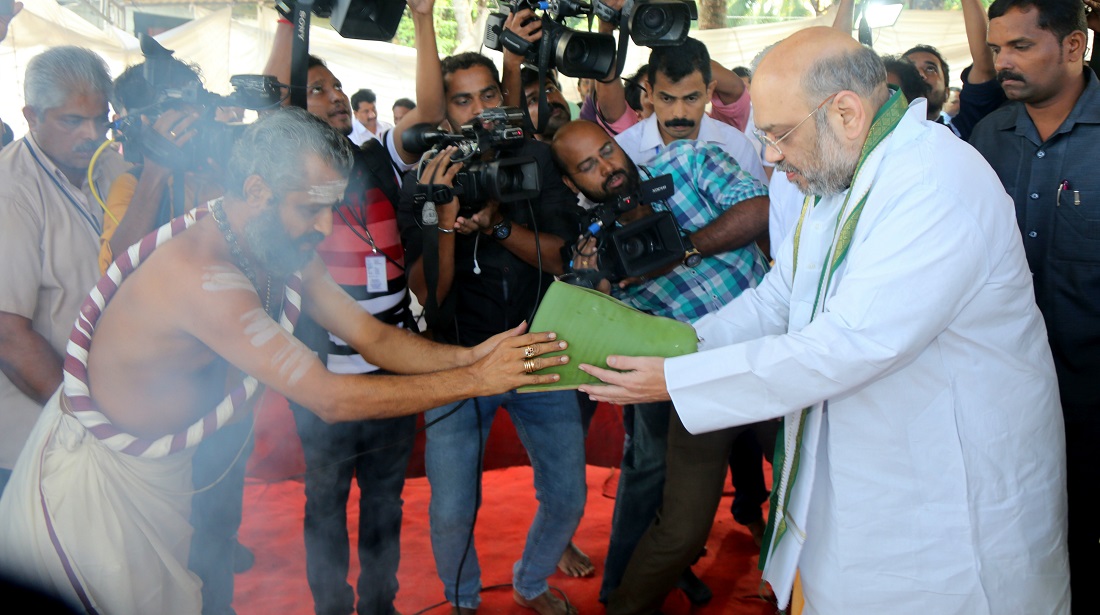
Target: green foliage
(446, 35)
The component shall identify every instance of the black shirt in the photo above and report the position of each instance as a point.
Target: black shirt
(976, 100)
(505, 293)
(1061, 233)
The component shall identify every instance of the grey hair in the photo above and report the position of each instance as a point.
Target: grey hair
(860, 71)
(275, 147)
(55, 74)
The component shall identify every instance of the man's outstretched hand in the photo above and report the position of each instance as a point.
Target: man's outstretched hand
(639, 380)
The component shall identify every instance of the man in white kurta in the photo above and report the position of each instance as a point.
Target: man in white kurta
(927, 473)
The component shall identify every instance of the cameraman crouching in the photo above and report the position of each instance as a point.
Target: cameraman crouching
(479, 274)
(720, 210)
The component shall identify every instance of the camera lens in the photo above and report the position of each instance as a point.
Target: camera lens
(636, 247)
(654, 21)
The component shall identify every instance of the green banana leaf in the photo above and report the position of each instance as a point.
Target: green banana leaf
(597, 325)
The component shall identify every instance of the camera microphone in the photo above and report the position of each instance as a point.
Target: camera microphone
(420, 138)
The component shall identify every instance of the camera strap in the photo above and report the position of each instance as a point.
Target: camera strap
(436, 315)
(624, 38)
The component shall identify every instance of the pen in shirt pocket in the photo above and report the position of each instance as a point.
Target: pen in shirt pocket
(1064, 187)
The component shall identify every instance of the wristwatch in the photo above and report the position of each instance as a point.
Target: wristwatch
(501, 230)
(692, 257)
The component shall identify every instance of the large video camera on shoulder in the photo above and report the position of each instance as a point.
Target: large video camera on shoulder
(213, 139)
(502, 178)
(636, 248)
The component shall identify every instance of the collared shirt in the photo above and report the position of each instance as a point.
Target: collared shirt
(940, 459)
(495, 289)
(708, 182)
(643, 142)
(49, 241)
(1061, 235)
(360, 133)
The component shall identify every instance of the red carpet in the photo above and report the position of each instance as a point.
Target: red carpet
(273, 514)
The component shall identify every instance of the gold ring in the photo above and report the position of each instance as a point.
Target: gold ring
(529, 366)
(528, 351)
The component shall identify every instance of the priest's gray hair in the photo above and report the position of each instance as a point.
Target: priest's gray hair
(57, 73)
(276, 146)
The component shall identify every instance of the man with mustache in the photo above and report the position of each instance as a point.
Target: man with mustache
(50, 235)
(897, 335)
(712, 202)
(364, 255)
(172, 346)
(1044, 146)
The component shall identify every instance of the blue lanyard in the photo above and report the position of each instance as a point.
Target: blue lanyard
(79, 208)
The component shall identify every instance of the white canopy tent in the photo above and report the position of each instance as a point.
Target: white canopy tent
(222, 46)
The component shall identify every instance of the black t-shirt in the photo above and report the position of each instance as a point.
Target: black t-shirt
(506, 290)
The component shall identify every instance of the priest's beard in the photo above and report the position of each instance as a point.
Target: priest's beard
(832, 166)
(274, 249)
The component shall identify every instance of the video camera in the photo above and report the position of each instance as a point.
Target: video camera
(636, 248)
(574, 53)
(652, 23)
(213, 139)
(504, 179)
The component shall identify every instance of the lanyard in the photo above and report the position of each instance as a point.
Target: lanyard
(96, 226)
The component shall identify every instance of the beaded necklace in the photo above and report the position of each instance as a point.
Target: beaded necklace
(239, 259)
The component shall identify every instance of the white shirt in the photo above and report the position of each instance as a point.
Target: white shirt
(784, 207)
(643, 141)
(360, 134)
(934, 480)
(49, 247)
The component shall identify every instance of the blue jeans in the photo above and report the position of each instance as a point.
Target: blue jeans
(376, 453)
(549, 426)
(641, 483)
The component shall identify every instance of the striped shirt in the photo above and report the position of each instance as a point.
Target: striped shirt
(365, 216)
(708, 182)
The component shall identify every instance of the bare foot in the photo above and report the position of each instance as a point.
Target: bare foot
(545, 603)
(575, 563)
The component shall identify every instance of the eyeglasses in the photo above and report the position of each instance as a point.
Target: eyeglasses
(768, 142)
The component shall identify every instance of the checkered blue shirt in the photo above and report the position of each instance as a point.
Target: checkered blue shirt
(707, 182)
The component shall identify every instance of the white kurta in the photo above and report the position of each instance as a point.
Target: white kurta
(932, 475)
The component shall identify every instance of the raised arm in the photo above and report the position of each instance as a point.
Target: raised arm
(429, 78)
(845, 19)
(611, 96)
(977, 26)
(529, 28)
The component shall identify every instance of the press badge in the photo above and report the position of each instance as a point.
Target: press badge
(376, 274)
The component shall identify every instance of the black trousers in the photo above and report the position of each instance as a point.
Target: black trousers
(375, 453)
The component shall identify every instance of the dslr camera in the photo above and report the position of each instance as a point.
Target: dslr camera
(502, 178)
(213, 139)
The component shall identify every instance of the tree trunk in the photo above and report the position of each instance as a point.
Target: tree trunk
(712, 14)
(469, 28)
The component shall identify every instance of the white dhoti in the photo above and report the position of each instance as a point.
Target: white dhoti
(120, 522)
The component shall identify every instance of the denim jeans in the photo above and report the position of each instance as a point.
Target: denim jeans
(376, 453)
(641, 482)
(219, 463)
(549, 426)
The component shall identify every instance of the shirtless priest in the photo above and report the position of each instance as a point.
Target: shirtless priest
(97, 508)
